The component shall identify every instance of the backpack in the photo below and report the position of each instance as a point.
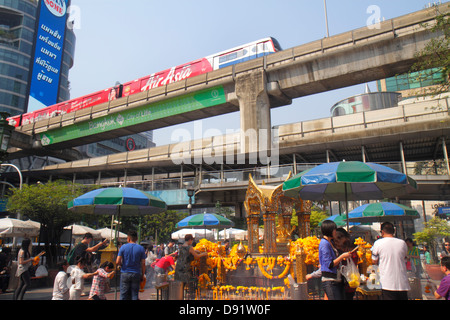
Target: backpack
(71, 256)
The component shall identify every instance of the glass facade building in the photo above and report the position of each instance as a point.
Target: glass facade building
(18, 25)
(411, 83)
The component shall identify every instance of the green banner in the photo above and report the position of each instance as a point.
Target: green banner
(158, 110)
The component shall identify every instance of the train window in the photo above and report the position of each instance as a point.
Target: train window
(232, 56)
(228, 57)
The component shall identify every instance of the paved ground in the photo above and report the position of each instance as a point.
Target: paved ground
(45, 293)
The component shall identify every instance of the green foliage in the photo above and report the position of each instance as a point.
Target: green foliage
(161, 225)
(434, 229)
(434, 60)
(317, 215)
(47, 204)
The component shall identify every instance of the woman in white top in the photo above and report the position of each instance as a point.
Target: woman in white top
(24, 261)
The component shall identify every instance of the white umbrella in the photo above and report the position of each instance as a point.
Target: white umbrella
(34, 224)
(244, 236)
(17, 228)
(196, 233)
(80, 231)
(231, 233)
(108, 233)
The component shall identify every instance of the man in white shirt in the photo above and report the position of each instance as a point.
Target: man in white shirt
(60, 288)
(390, 255)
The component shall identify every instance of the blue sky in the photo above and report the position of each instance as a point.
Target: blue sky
(125, 40)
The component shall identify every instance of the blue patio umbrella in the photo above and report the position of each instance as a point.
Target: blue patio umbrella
(340, 220)
(205, 220)
(381, 212)
(349, 180)
(117, 201)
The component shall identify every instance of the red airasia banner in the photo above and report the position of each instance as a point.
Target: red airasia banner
(154, 80)
(168, 76)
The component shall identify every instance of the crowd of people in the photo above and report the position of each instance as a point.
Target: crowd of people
(137, 265)
(393, 256)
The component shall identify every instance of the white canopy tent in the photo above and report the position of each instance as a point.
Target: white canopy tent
(109, 234)
(79, 231)
(10, 228)
(231, 233)
(196, 233)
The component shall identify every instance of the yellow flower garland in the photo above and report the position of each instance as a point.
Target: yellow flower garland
(223, 292)
(231, 262)
(363, 250)
(203, 280)
(310, 246)
(270, 262)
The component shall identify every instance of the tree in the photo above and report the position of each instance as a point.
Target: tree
(317, 215)
(47, 204)
(160, 224)
(433, 62)
(434, 229)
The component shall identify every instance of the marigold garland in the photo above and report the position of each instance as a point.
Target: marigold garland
(203, 280)
(310, 246)
(363, 250)
(224, 292)
(265, 264)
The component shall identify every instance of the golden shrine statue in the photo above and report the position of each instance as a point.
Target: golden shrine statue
(283, 234)
(270, 202)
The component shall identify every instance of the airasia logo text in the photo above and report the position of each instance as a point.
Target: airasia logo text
(158, 80)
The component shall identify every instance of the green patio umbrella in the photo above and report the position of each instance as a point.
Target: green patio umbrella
(349, 180)
(339, 219)
(382, 211)
(205, 220)
(117, 201)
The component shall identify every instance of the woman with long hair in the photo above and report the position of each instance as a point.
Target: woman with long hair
(24, 261)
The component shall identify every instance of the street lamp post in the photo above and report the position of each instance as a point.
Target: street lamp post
(326, 17)
(190, 192)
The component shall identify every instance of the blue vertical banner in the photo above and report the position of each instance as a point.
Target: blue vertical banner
(48, 54)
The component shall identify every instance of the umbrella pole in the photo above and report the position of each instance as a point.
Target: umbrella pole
(112, 228)
(346, 208)
(117, 248)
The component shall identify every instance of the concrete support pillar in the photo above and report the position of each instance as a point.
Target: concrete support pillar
(125, 177)
(254, 105)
